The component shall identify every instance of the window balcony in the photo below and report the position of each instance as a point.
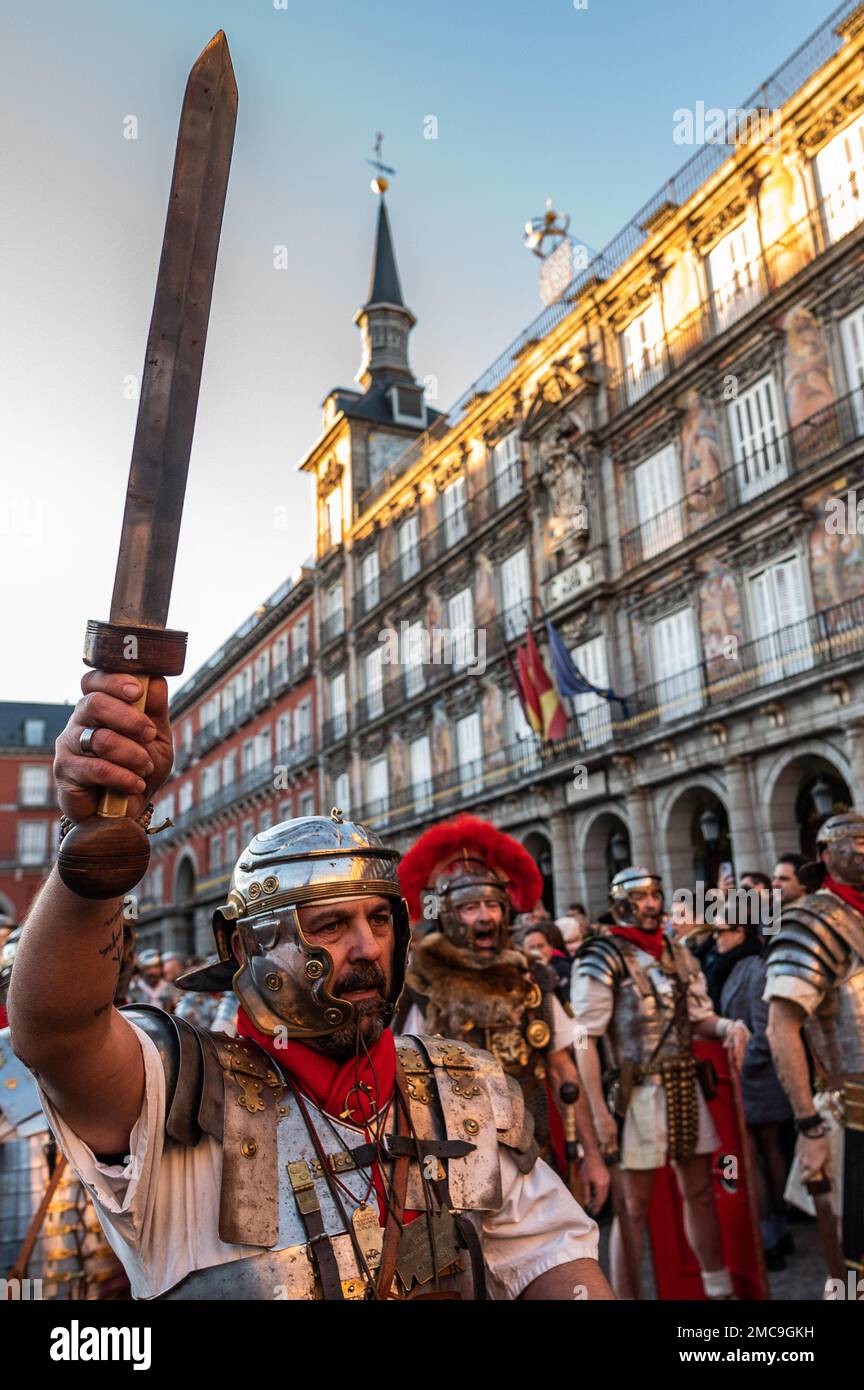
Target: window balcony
(335, 729)
(726, 305)
(280, 677)
(332, 627)
(207, 737)
(261, 693)
(739, 483)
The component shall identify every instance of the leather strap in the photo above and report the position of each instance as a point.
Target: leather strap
(320, 1245)
(397, 1146)
(398, 1190)
(19, 1269)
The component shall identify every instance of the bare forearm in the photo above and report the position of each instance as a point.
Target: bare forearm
(66, 970)
(790, 1058)
(588, 1059)
(578, 1279)
(64, 1024)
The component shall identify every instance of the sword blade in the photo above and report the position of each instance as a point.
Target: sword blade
(175, 344)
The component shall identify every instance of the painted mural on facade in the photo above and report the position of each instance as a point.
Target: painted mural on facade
(808, 382)
(701, 461)
(721, 624)
(836, 557)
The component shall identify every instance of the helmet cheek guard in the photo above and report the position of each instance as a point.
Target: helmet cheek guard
(282, 978)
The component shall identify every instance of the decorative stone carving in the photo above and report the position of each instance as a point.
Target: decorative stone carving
(565, 475)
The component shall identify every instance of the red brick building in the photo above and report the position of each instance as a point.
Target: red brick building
(29, 819)
(246, 749)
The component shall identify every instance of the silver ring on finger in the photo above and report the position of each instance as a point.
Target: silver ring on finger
(85, 740)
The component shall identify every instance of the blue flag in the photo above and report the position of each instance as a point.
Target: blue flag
(567, 677)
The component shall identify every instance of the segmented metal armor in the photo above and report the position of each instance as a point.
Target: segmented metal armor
(70, 1255)
(821, 941)
(462, 1108)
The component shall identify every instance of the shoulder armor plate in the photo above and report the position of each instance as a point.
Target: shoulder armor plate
(602, 959)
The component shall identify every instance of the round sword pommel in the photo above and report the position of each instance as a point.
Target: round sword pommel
(104, 856)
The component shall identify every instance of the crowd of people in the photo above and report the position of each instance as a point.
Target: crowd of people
(731, 955)
(564, 1052)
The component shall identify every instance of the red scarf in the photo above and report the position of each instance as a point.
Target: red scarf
(334, 1086)
(850, 895)
(650, 941)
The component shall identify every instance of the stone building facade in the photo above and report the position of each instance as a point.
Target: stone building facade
(658, 465)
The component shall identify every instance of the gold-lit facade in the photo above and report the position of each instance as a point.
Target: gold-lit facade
(648, 467)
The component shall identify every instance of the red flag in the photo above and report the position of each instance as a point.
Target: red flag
(530, 697)
(552, 711)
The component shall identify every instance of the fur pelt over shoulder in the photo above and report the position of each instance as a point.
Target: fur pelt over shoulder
(462, 989)
(443, 844)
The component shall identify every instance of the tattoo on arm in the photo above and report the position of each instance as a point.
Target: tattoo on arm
(114, 948)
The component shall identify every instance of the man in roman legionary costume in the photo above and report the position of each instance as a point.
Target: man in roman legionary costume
(815, 990)
(311, 1154)
(49, 1231)
(467, 879)
(645, 996)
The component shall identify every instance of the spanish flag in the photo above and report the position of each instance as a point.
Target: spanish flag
(552, 713)
(530, 698)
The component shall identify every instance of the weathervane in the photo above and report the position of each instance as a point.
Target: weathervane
(380, 184)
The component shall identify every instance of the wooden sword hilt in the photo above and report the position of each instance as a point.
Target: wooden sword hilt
(107, 854)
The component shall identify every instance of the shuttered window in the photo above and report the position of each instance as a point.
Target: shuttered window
(455, 515)
(852, 337)
(469, 751)
(757, 445)
(593, 712)
(377, 790)
(659, 513)
(460, 620)
(515, 593)
(642, 342)
(778, 606)
(677, 672)
(507, 468)
(374, 682)
(409, 547)
(734, 268)
(421, 773)
(412, 655)
(840, 166)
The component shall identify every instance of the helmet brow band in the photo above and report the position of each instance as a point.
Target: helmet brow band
(347, 852)
(317, 892)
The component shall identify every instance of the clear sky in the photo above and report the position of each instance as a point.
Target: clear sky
(531, 99)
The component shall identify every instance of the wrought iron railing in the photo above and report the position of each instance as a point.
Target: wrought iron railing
(739, 483)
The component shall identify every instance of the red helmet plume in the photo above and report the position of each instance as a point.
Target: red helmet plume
(444, 843)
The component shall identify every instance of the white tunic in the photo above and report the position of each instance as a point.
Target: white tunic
(644, 1142)
(160, 1210)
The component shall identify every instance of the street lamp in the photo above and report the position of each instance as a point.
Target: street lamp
(709, 824)
(619, 848)
(822, 797)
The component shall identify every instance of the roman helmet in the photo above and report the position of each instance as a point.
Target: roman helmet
(842, 861)
(465, 860)
(632, 880)
(285, 980)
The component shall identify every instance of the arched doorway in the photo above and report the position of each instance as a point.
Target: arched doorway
(808, 790)
(605, 850)
(184, 899)
(540, 849)
(697, 839)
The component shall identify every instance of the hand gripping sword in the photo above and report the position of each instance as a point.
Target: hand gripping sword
(105, 855)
